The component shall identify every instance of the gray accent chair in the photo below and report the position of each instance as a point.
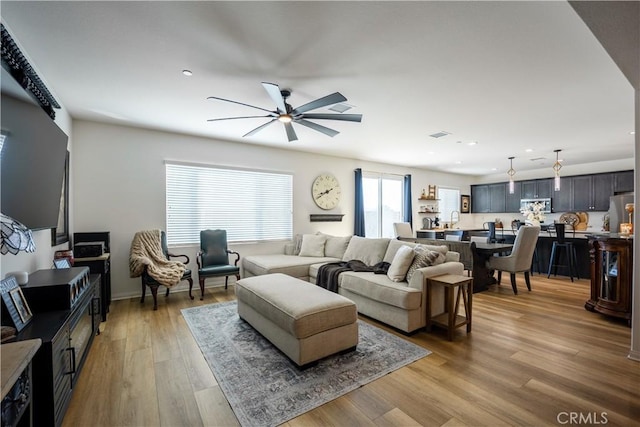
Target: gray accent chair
(519, 261)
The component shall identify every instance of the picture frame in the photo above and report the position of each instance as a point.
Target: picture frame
(60, 234)
(15, 303)
(465, 203)
(59, 263)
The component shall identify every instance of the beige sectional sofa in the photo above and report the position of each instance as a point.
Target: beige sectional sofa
(400, 304)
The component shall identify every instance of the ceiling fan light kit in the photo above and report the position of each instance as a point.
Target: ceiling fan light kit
(287, 115)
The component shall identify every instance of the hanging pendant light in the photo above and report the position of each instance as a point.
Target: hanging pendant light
(511, 172)
(556, 167)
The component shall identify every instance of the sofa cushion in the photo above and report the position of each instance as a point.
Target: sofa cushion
(336, 246)
(379, 287)
(401, 263)
(425, 257)
(292, 265)
(369, 251)
(313, 245)
(393, 247)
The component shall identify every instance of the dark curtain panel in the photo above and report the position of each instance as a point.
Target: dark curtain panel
(359, 206)
(408, 210)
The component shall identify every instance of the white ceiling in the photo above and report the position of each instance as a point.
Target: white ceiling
(510, 75)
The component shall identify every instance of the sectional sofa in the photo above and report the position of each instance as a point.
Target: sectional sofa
(389, 298)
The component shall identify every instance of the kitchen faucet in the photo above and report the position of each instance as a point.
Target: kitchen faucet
(457, 215)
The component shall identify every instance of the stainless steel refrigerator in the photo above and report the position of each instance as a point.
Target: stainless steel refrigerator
(617, 214)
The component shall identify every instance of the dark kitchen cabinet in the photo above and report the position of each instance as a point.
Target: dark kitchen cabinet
(592, 192)
(513, 200)
(562, 200)
(488, 198)
(623, 182)
(497, 194)
(480, 199)
(537, 188)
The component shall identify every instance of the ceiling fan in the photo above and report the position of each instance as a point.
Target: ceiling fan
(287, 115)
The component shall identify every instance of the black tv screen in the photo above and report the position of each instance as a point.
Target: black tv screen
(32, 159)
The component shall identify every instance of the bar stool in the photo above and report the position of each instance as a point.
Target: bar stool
(561, 245)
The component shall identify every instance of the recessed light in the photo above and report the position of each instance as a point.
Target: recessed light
(528, 150)
(494, 169)
(187, 73)
(632, 132)
(472, 143)
(458, 162)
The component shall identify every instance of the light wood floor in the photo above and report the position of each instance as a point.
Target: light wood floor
(534, 359)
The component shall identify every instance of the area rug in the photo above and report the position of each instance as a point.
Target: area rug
(264, 388)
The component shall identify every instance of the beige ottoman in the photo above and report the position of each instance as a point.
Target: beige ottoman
(305, 321)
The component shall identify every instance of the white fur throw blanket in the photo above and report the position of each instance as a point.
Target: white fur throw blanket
(146, 252)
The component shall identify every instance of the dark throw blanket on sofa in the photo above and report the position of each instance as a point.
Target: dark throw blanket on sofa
(328, 273)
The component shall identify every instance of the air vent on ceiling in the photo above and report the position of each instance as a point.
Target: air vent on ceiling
(439, 134)
(538, 158)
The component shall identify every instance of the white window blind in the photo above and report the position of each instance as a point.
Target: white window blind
(249, 205)
(449, 202)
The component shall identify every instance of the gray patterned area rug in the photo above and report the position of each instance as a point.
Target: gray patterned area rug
(264, 388)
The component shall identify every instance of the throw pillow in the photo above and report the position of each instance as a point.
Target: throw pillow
(369, 251)
(424, 258)
(401, 263)
(336, 246)
(312, 245)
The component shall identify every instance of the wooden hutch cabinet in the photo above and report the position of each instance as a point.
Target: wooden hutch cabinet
(611, 260)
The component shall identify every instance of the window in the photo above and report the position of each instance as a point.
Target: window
(449, 202)
(249, 205)
(382, 203)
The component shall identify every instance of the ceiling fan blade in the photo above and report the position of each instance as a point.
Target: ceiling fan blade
(258, 129)
(274, 92)
(233, 118)
(329, 116)
(241, 103)
(334, 98)
(291, 134)
(319, 128)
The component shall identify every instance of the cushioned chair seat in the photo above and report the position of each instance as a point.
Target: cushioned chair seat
(151, 281)
(219, 269)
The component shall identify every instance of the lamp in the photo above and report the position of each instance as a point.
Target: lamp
(14, 236)
(511, 172)
(556, 167)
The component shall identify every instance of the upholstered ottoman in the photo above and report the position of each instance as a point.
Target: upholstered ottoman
(305, 321)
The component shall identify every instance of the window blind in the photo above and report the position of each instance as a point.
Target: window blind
(250, 205)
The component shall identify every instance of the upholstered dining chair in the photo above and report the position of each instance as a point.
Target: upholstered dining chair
(520, 258)
(402, 229)
(455, 235)
(149, 281)
(213, 258)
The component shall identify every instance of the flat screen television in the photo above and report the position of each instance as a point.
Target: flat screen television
(32, 159)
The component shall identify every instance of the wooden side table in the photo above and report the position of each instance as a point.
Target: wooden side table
(450, 319)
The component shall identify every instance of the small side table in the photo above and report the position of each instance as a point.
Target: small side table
(450, 319)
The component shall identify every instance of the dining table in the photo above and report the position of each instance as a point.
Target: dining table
(482, 275)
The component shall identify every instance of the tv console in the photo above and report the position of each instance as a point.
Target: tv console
(66, 333)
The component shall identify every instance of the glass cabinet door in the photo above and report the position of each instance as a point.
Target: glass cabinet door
(609, 280)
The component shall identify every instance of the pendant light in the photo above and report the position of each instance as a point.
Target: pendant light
(556, 167)
(511, 172)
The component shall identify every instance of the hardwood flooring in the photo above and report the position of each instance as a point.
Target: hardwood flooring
(538, 358)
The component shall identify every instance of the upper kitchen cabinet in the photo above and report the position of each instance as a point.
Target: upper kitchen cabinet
(488, 198)
(513, 200)
(623, 182)
(592, 192)
(537, 188)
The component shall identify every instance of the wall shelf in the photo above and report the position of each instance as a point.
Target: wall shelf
(325, 217)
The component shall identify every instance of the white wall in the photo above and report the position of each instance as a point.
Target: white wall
(119, 185)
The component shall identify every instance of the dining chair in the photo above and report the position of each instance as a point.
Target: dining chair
(454, 235)
(402, 229)
(520, 258)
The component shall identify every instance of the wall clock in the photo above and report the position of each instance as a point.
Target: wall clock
(326, 191)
